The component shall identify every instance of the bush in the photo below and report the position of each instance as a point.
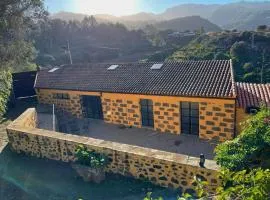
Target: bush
(5, 90)
(90, 158)
(245, 185)
(251, 148)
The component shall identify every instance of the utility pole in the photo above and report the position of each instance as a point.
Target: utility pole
(53, 119)
(69, 52)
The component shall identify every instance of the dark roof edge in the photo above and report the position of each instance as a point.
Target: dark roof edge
(135, 62)
(233, 81)
(212, 97)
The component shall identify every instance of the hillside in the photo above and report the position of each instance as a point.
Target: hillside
(252, 21)
(238, 13)
(188, 23)
(251, 61)
(184, 10)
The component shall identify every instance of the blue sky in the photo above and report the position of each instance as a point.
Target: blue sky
(120, 7)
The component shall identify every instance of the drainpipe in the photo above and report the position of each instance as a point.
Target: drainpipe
(53, 119)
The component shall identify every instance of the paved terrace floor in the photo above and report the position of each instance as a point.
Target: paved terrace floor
(184, 144)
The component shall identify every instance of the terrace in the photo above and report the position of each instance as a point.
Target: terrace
(143, 137)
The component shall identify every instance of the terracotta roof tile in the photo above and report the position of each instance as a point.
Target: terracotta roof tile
(251, 94)
(186, 78)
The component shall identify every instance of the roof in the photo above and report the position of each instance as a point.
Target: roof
(186, 78)
(251, 94)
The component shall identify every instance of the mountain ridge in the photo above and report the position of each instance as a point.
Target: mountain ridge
(224, 15)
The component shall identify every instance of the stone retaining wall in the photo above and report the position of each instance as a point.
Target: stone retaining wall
(159, 167)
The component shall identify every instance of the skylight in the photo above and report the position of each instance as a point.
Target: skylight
(112, 67)
(157, 66)
(53, 69)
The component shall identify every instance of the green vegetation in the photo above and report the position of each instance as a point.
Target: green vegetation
(245, 160)
(16, 20)
(87, 40)
(249, 51)
(5, 89)
(90, 158)
(246, 184)
(16, 52)
(251, 149)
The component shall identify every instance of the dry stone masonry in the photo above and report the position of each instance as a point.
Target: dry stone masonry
(217, 121)
(217, 116)
(167, 118)
(159, 167)
(121, 111)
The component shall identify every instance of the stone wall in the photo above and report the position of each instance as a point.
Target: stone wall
(217, 116)
(167, 117)
(119, 110)
(217, 120)
(159, 167)
(71, 105)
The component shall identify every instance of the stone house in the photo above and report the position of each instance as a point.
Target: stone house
(191, 97)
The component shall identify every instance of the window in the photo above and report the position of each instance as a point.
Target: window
(147, 112)
(61, 96)
(189, 118)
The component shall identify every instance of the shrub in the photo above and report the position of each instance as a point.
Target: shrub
(245, 185)
(251, 148)
(5, 90)
(90, 158)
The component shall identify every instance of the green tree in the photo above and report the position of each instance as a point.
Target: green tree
(16, 19)
(244, 185)
(251, 149)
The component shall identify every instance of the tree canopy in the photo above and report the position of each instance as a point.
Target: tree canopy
(17, 18)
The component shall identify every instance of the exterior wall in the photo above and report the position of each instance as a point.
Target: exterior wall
(159, 167)
(217, 116)
(72, 105)
(217, 120)
(121, 110)
(241, 116)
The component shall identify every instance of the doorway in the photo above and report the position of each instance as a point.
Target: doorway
(92, 107)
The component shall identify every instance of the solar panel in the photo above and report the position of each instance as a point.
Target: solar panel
(157, 66)
(53, 69)
(112, 67)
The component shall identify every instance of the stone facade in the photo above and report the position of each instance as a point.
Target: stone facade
(167, 117)
(159, 167)
(217, 116)
(217, 120)
(71, 105)
(121, 111)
